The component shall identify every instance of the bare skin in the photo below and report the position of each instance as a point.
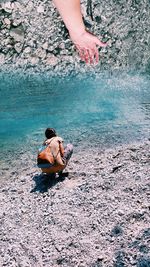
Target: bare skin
(86, 43)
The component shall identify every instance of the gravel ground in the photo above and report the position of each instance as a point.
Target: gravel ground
(98, 216)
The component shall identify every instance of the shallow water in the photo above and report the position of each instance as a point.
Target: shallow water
(105, 111)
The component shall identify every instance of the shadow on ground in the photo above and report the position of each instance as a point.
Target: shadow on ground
(44, 182)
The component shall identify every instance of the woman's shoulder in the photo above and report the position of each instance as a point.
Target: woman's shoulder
(53, 140)
(59, 139)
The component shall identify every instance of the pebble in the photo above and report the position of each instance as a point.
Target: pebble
(17, 33)
(18, 47)
(40, 9)
(51, 60)
(7, 21)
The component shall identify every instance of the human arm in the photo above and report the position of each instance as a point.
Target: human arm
(85, 42)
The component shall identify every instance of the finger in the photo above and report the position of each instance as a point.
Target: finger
(91, 53)
(86, 55)
(96, 56)
(99, 43)
(81, 52)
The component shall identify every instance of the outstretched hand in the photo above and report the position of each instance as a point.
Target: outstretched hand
(87, 45)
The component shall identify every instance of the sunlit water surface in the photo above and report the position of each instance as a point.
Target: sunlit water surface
(106, 111)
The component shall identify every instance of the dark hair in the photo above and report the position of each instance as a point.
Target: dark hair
(49, 133)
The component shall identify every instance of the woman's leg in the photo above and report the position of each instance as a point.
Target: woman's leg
(68, 152)
(58, 168)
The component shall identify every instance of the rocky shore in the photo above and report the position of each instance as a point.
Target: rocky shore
(33, 36)
(98, 216)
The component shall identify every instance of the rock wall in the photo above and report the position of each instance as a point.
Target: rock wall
(32, 35)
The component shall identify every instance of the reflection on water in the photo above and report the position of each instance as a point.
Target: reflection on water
(105, 111)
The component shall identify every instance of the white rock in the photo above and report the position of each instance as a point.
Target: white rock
(18, 47)
(29, 6)
(34, 60)
(17, 34)
(7, 7)
(7, 21)
(41, 53)
(16, 22)
(17, 5)
(27, 50)
(51, 60)
(40, 9)
(62, 46)
(45, 45)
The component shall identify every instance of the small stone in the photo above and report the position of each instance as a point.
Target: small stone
(20, 191)
(40, 9)
(100, 258)
(45, 45)
(27, 50)
(120, 212)
(34, 60)
(62, 46)
(7, 21)
(17, 33)
(18, 47)
(41, 53)
(16, 22)
(51, 60)
(7, 7)
(17, 5)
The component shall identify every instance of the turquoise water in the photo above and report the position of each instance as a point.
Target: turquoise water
(102, 112)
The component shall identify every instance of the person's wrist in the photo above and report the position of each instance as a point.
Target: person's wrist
(77, 33)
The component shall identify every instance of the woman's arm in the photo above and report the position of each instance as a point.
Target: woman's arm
(85, 42)
(71, 15)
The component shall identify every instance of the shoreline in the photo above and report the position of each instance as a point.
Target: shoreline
(97, 216)
(81, 71)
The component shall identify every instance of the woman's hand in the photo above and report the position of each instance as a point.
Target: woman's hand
(87, 45)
